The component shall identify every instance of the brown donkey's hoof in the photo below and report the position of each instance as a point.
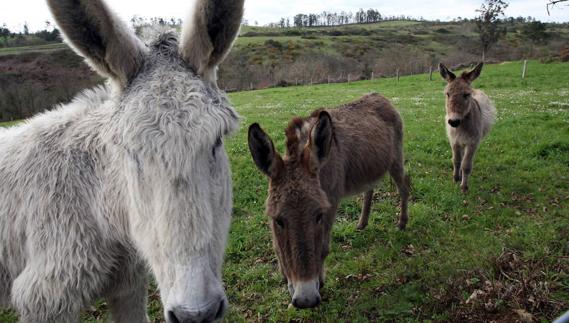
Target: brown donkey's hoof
(361, 226)
(464, 189)
(401, 225)
(457, 179)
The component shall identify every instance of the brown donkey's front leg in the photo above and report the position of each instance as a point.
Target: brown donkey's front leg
(330, 218)
(467, 161)
(403, 183)
(366, 207)
(456, 162)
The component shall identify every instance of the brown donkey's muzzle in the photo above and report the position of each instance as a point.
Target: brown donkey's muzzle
(306, 294)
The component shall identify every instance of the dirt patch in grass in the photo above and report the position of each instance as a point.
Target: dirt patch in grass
(517, 290)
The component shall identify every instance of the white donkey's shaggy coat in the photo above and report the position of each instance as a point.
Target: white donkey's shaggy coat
(128, 175)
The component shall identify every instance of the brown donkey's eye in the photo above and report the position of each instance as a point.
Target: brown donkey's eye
(466, 95)
(279, 222)
(319, 218)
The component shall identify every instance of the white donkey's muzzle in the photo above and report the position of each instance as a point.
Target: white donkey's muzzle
(197, 295)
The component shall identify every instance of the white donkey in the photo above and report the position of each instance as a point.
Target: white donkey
(127, 175)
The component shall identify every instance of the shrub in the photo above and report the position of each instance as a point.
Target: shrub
(564, 55)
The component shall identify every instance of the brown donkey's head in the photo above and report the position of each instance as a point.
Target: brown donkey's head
(458, 93)
(296, 204)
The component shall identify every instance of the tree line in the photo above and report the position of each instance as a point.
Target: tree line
(328, 18)
(10, 38)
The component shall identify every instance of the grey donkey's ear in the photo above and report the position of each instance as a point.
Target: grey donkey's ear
(209, 33)
(446, 73)
(321, 136)
(474, 74)
(95, 33)
(263, 151)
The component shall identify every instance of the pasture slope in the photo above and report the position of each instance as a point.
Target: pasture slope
(501, 252)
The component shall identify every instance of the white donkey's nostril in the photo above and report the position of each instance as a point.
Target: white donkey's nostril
(210, 313)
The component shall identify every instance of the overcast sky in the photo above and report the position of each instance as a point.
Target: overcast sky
(35, 12)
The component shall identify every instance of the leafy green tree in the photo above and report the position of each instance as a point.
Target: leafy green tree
(489, 25)
(536, 32)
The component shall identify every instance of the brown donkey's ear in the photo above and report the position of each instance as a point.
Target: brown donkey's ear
(472, 75)
(321, 136)
(446, 74)
(263, 151)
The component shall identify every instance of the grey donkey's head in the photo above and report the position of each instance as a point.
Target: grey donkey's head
(162, 88)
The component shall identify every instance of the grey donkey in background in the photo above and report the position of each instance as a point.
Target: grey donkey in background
(128, 176)
(469, 116)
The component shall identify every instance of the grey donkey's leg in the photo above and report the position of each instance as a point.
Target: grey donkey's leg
(38, 297)
(5, 287)
(126, 288)
(128, 298)
(457, 152)
(466, 168)
(403, 183)
(366, 207)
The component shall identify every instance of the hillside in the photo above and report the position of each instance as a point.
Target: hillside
(505, 242)
(265, 57)
(268, 56)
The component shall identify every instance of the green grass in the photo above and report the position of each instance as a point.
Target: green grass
(517, 205)
(31, 49)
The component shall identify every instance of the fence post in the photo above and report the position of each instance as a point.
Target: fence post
(348, 78)
(397, 75)
(430, 73)
(251, 86)
(372, 76)
(525, 69)
(296, 81)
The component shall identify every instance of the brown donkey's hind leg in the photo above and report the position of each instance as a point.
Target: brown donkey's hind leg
(366, 207)
(403, 183)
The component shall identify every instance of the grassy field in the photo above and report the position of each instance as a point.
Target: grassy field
(32, 49)
(500, 252)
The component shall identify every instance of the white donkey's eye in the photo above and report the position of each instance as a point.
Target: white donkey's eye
(217, 144)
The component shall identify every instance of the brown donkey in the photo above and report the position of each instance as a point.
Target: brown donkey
(469, 117)
(332, 154)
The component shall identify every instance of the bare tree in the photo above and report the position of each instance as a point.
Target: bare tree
(488, 23)
(552, 3)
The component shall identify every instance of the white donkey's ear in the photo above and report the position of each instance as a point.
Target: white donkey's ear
(95, 33)
(209, 33)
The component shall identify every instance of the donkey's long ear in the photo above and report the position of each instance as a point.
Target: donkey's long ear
(209, 33)
(320, 143)
(263, 151)
(95, 33)
(474, 74)
(446, 74)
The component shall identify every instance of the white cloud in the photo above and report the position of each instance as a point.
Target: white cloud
(35, 12)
